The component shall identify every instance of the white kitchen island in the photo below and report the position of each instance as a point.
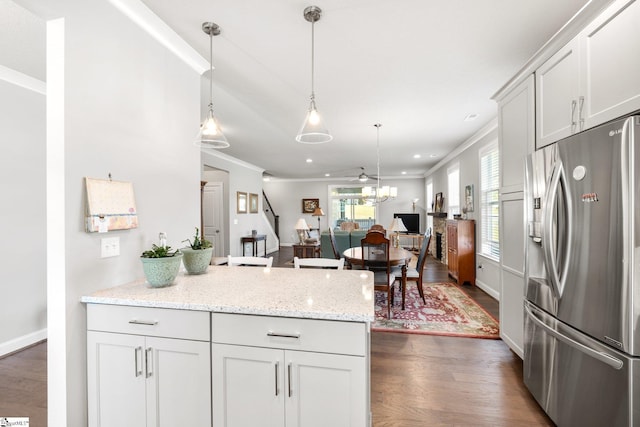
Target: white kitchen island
(237, 346)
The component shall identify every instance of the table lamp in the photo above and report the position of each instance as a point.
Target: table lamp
(318, 212)
(301, 227)
(397, 226)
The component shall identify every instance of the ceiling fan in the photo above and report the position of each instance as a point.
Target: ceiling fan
(363, 176)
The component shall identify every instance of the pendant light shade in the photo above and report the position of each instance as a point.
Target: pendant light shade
(313, 130)
(210, 135)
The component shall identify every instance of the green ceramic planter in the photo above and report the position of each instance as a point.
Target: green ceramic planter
(161, 271)
(196, 261)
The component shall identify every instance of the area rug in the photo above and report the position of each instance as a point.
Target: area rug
(448, 311)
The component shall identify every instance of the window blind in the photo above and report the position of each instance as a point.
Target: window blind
(490, 201)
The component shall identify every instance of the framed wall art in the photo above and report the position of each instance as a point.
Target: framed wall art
(468, 198)
(241, 199)
(310, 205)
(439, 202)
(253, 203)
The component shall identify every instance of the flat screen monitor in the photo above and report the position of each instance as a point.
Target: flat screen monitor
(411, 221)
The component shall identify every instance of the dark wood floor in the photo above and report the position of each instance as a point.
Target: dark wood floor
(416, 380)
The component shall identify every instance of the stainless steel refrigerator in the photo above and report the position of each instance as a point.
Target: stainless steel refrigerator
(582, 277)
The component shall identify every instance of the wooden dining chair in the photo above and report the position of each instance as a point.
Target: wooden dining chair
(249, 260)
(415, 274)
(375, 251)
(338, 264)
(334, 244)
(379, 228)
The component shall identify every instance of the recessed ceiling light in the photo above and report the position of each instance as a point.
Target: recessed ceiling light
(309, 160)
(266, 179)
(327, 174)
(416, 156)
(403, 172)
(470, 117)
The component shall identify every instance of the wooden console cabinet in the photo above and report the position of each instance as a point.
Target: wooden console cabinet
(461, 250)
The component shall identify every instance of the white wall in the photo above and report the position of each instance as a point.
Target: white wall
(467, 157)
(22, 221)
(286, 198)
(245, 178)
(120, 103)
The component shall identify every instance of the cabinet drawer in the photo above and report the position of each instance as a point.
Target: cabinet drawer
(157, 322)
(324, 336)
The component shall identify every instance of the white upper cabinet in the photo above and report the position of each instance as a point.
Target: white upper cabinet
(516, 119)
(557, 92)
(610, 61)
(594, 78)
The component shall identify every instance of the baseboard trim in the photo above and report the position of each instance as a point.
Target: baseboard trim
(22, 342)
(488, 289)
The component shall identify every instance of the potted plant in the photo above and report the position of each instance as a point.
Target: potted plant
(161, 265)
(197, 256)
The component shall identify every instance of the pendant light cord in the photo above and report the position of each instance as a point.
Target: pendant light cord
(211, 71)
(313, 43)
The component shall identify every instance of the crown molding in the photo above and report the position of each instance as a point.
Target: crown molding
(140, 14)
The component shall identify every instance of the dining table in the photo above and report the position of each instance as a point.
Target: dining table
(397, 257)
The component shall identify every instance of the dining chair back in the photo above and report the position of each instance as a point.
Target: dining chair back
(379, 228)
(318, 263)
(334, 244)
(415, 274)
(375, 251)
(249, 260)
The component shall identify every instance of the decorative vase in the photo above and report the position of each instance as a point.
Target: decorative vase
(196, 261)
(161, 272)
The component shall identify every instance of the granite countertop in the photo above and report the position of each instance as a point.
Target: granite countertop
(345, 295)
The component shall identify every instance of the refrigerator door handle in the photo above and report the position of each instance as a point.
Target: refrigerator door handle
(602, 357)
(549, 247)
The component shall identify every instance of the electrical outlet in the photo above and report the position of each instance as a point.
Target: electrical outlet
(109, 246)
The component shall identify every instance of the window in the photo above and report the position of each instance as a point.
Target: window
(453, 181)
(430, 204)
(347, 204)
(489, 201)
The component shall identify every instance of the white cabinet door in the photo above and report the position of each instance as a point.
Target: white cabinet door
(145, 381)
(610, 63)
(178, 376)
(516, 119)
(116, 380)
(325, 390)
(272, 387)
(557, 87)
(248, 386)
(512, 224)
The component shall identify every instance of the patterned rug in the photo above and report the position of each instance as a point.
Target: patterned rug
(448, 311)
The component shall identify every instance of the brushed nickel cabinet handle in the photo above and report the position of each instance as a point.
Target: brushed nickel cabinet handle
(138, 356)
(143, 322)
(277, 365)
(580, 113)
(282, 335)
(149, 361)
(573, 115)
(289, 379)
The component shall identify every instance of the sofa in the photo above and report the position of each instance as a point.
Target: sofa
(344, 240)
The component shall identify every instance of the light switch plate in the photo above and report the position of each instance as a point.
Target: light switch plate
(109, 246)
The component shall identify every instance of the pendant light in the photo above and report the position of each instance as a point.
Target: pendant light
(313, 130)
(211, 135)
(379, 194)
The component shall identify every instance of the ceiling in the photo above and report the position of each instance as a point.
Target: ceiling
(418, 67)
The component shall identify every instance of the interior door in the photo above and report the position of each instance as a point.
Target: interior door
(212, 210)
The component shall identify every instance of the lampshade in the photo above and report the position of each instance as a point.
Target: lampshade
(397, 225)
(318, 212)
(301, 225)
(210, 135)
(313, 130)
